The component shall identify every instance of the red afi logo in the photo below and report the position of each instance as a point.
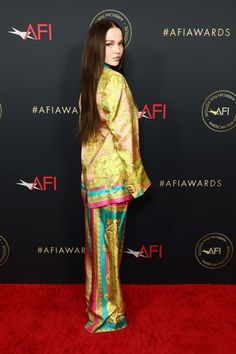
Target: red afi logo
(152, 249)
(41, 28)
(156, 108)
(46, 181)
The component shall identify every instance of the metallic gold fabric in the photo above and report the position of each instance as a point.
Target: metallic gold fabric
(104, 238)
(112, 169)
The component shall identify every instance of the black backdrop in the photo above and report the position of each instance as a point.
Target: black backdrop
(180, 65)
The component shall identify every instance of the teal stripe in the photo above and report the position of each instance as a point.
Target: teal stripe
(118, 215)
(112, 215)
(105, 190)
(109, 325)
(139, 193)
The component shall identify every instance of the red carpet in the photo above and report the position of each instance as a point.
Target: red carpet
(163, 319)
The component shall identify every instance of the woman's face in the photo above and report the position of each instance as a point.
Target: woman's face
(114, 46)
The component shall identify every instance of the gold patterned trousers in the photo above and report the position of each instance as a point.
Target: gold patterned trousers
(104, 239)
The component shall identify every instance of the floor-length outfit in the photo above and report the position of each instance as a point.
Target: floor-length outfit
(104, 229)
(112, 174)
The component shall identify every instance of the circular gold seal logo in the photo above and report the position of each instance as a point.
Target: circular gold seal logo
(4, 250)
(219, 111)
(214, 250)
(118, 17)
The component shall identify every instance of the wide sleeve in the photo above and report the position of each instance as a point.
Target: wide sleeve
(122, 121)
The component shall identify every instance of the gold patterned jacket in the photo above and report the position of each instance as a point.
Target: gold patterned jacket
(112, 169)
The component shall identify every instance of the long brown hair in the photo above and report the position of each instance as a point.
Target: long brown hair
(92, 66)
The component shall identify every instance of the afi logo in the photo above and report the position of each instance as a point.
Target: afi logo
(43, 183)
(157, 249)
(212, 250)
(147, 252)
(220, 112)
(46, 181)
(36, 31)
(156, 108)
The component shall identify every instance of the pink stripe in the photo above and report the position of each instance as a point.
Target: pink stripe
(110, 201)
(95, 188)
(93, 305)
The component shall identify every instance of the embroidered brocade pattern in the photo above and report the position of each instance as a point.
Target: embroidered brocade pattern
(104, 235)
(114, 158)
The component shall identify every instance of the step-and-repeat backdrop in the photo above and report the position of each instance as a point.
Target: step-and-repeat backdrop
(180, 66)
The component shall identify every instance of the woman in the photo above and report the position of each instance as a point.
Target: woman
(112, 171)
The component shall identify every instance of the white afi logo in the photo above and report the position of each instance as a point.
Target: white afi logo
(212, 250)
(22, 34)
(220, 112)
(135, 253)
(28, 185)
